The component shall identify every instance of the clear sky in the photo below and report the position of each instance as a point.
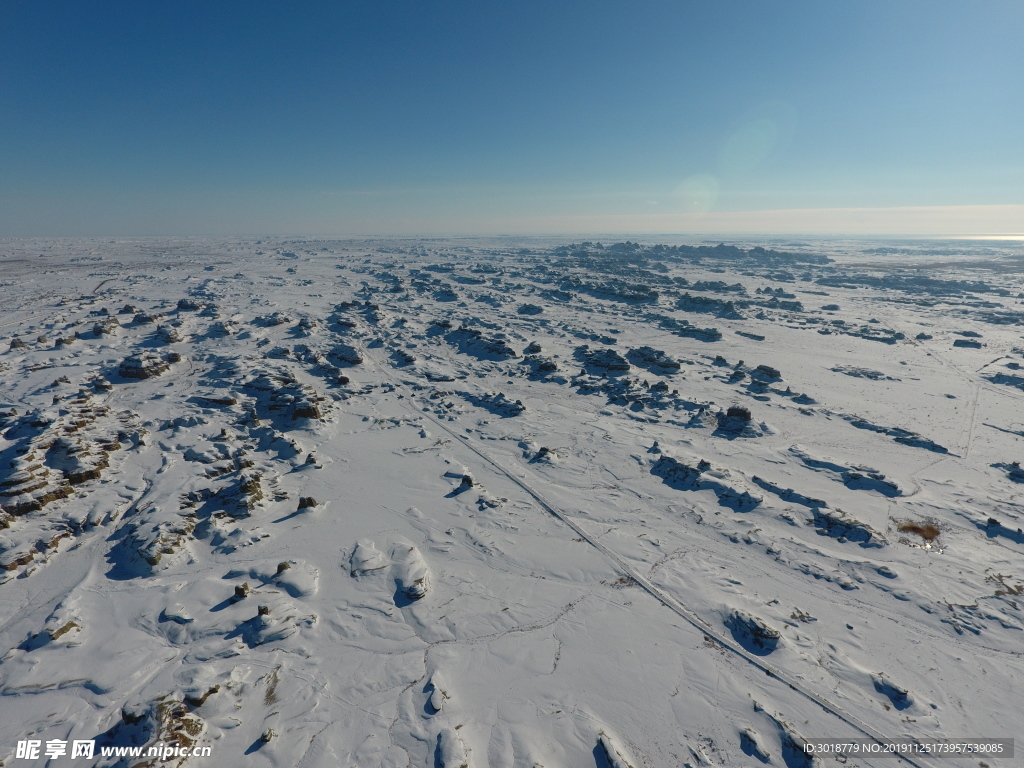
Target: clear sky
(379, 117)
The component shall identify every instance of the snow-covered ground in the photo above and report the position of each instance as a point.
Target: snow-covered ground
(497, 502)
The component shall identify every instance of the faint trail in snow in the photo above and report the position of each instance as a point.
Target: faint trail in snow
(914, 475)
(977, 386)
(1006, 391)
(664, 598)
(974, 419)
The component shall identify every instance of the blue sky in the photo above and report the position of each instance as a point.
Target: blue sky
(486, 117)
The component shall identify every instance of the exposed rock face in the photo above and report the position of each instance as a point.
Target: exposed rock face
(708, 306)
(719, 286)
(402, 358)
(839, 525)
(142, 365)
(222, 328)
(863, 373)
(167, 719)
(77, 460)
(496, 403)
(684, 329)
(652, 359)
(278, 391)
(607, 359)
(612, 290)
(613, 752)
(168, 334)
(735, 421)
(411, 573)
(731, 491)
(215, 400)
(445, 294)
(737, 412)
(752, 631)
(164, 537)
(31, 485)
(106, 327)
(54, 450)
(346, 354)
(540, 364)
(306, 409)
(241, 498)
(275, 318)
(473, 342)
(900, 435)
(897, 694)
(1013, 470)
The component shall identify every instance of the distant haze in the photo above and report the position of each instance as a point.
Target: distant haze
(527, 117)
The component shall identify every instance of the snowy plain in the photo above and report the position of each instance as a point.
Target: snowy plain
(510, 502)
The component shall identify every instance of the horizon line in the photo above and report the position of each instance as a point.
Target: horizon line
(984, 222)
